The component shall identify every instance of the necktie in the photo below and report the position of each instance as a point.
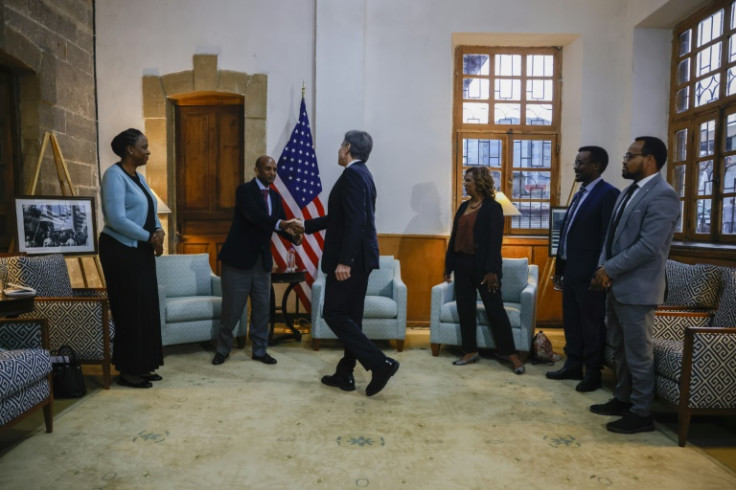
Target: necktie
(265, 195)
(617, 218)
(568, 220)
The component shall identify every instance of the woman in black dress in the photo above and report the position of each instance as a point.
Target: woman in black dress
(129, 242)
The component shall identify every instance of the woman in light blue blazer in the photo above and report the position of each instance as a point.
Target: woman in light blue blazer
(129, 242)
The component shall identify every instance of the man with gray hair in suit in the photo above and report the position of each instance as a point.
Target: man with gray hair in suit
(632, 266)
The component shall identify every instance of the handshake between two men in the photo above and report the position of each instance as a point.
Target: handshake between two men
(295, 227)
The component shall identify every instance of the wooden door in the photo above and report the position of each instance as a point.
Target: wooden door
(8, 176)
(209, 167)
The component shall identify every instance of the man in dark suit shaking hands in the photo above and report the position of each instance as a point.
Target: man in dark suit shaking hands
(350, 254)
(581, 241)
(632, 266)
(247, 261)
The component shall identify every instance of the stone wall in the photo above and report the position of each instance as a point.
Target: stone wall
(50, 44)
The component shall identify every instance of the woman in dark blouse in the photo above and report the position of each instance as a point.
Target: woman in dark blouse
(129, 242)
(474, 255)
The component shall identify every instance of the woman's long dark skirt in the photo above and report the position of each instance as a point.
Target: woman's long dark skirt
(132, 289)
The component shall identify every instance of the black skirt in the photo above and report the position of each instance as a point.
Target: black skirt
(132, 289)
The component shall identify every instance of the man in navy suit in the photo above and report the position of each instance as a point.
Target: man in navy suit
(247, 261)
(632, 266)
(581, 241)
(350, 254)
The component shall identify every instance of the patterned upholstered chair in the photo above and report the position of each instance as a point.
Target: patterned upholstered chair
(384, 312)
(519, 292)
(78, 317)
(25, 371)
(190, 299)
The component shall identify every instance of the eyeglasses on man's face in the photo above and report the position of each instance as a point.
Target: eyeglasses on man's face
(628, 156)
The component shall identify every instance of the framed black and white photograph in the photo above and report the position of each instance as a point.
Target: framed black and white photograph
(556, 217)
(63, 225)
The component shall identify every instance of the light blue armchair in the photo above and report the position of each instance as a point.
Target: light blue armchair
(519, 291)
(190, 299)
(384, 313)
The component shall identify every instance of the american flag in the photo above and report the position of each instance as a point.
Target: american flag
(299, 184)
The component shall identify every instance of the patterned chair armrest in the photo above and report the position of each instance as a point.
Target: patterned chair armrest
(709, 368)
(90, 293)
(82, 323)
(26, 333)
(671, 324)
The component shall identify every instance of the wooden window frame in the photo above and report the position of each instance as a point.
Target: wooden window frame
(507, 133)
(691, 118)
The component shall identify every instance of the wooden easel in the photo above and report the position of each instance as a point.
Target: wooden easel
(65, 183)
(549, 266)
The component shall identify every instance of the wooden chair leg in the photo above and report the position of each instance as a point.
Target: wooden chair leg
(683, 420)
(315, 344)
(435, 349)
(48, 416)
(400, 345)
(106, 376)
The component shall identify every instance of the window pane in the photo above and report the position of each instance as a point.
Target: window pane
(507, 113)
(707, 138)
(681, 145)
(482, 152)
(732, 49)
(709, 59)
(680, 180)
(728, 226)
(710, 28)
(476, 64)
(729, 174)
(683, 71)
(476, 88)
(706, 90)
(682, 99)
(539, 114)
(685, 42)
(533, 215)
(730, 143)
(730, 84)
(507, 89)
(539, 90)
(530, 185)
(535, 154)
(705, 178)
(508, 65)
(538, 65)
(475, 113)
(702, 216)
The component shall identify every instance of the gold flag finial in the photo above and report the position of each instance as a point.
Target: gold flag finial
(304, 89)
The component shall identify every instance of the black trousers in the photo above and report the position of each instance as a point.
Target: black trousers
(467, 282)
(343, 312)
(583, 315)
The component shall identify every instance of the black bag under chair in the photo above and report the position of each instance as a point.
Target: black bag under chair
(67, 373)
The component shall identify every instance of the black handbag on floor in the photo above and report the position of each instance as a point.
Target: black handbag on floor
(67, 374)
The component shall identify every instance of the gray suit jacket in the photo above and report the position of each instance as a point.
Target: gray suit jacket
(641, 243)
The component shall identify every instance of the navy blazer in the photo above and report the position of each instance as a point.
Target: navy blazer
(487, 236)
(350, 222)
(250, 232)
(587, 233)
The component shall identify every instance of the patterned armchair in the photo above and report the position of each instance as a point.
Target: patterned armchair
(190, 299)
(78, 317)
(519, 291)
(25, 371)
(384, 312)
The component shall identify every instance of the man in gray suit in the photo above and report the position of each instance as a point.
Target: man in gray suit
(632, 265)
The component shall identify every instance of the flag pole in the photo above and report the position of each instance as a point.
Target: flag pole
(304, 89)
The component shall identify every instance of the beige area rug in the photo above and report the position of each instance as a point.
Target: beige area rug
(245, 425)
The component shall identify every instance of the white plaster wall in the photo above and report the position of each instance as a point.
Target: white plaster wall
(137, 37)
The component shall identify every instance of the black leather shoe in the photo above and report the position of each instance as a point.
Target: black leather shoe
(589, 383)
(345, 383)
(612, 407)
(566, 373)
(265, 359)
(152, 377)
(124, 380)
(219, 358)
(381, 375)
(631, 423)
